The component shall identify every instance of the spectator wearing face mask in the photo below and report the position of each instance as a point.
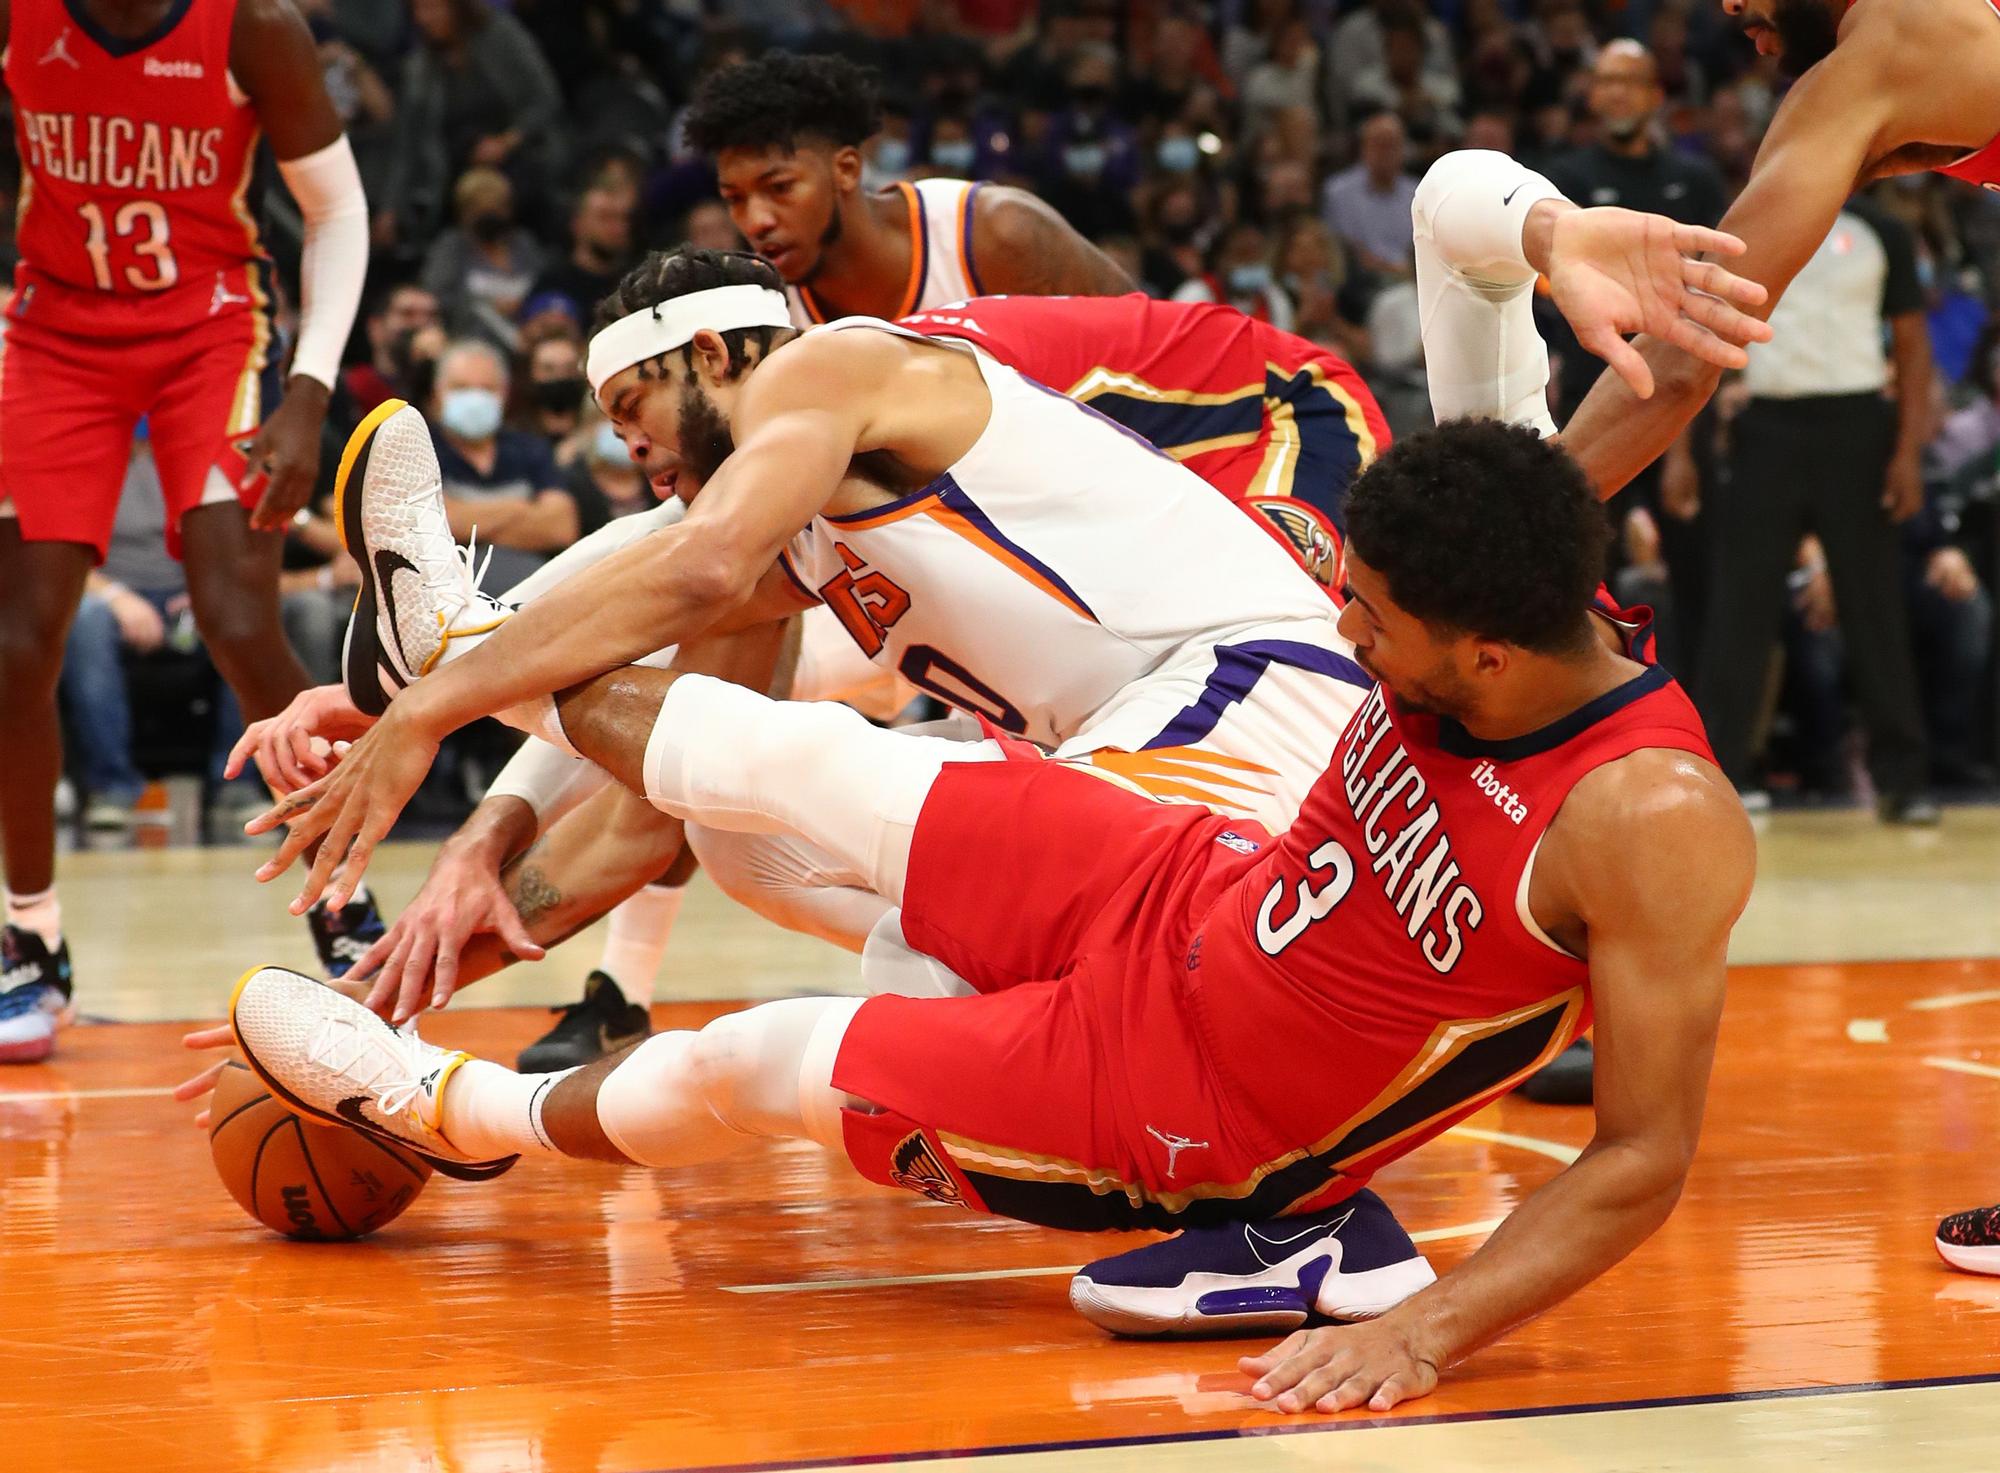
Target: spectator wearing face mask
(600, 232)
(953, 151)
(480, 270)
(603, 480)
(1092, 161)
(555, 394)
(1239, 273)
(503, 482)
(1176, 234)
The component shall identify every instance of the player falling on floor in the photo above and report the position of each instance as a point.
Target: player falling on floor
(143, 290)
(1180, 1019)
(786, 133)
(1884, 87)
(767, 747)
(1277, 423)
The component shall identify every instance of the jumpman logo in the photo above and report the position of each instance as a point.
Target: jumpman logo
(223, 297)
(1175, 1144)
(59, 51)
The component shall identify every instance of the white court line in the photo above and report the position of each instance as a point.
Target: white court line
(1867, 1030)
(1554, 1150)
(1965, 1066)
(821, 1286)
(1952, 1000)
(140, 1093)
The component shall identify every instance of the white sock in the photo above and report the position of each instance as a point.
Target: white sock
(40, 913)
(640, 927)
(490, 1111)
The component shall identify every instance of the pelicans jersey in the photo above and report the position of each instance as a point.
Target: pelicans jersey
(136, 159)
(1981, 166)
(942, 264)
(1251, 410)
(1233, 1026)
(142, 288)
(1072, 585)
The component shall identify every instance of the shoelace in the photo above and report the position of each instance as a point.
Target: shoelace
(393, 1096)
(459, 586)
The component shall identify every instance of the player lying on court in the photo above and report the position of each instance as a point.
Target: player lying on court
(1471, 933)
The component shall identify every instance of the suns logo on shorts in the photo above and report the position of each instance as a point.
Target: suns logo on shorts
(915, 1166)
(1304, 533)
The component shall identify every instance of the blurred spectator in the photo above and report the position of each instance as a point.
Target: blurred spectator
(1360, 49)
(600, 232)
(708, 228)
(1239, 273)
(1819, 448)
(503, 482)
(1951, 617)
(1425, 100)
(1968, 444)
(1288, 78)
(481, 269)
(603, 481)
(1368, 206)
(474, 90)
(556, 390)
(1092, 159)
(398, 315)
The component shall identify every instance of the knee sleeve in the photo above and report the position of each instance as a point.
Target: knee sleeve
(764, 1073)
(727, 757)
(791, 883)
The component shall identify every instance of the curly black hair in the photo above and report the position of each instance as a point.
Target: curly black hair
(1484, 528)
(777, 99)
(665, 275)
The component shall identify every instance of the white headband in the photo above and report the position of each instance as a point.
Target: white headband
(651, 331)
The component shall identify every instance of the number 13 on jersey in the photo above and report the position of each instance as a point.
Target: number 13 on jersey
(141, 224)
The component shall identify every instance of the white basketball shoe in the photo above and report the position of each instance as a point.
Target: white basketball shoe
(329, 1058)
(419, 589)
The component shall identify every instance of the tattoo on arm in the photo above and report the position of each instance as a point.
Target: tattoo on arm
(534, 894)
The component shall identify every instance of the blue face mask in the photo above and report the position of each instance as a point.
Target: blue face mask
(955, 154)
(608, 447)
(471, 414)
(1084, 160)
(892, 156)
(1248, 281)
(1178, 155)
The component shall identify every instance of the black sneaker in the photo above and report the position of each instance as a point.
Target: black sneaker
(1971, 1240)
(1565, 1079)
(586, 1031)
(35, 991)
(340, 937)
(1911, 810)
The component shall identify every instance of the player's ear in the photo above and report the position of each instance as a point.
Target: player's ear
(846, 165)
(711, 355)
(1491, 657)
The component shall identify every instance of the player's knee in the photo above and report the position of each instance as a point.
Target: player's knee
(235, 623)
(721, 1063)
(32, 640)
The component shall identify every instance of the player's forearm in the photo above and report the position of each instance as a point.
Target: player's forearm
(334, 260)
(1615, 434)
(662, 590)
(498, 831)
(1565, 1235)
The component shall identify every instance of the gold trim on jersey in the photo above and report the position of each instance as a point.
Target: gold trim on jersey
(246, 410)
(1447, 1041)
(1102, 380)
(1275, 476)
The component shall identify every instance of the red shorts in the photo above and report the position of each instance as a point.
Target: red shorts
(1076, 1090)
(69, 403)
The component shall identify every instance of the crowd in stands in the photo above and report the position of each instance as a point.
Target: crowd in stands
(520, 156)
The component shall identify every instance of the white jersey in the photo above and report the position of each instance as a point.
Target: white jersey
(943, 268)
(1066, 580)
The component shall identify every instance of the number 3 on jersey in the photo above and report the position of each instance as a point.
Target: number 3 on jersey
(133, 218)
(1315, 902)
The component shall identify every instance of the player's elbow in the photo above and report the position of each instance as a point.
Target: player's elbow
(712, 572)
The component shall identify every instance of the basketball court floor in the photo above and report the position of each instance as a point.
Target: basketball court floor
(776, 1314)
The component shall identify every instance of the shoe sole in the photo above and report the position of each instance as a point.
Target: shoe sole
(457, 1170)
(1969, 1259)
(31, 1052)
(361, 656)
(1222, 1312)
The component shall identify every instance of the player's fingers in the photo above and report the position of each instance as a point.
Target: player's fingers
(376, 954)
(199, 1085)
(295, 844)
(1285, 1377)
(1257, 1365)
(417, 969)
(1351, 1392)
(1401, 1386)
(246, 745)
(1708, 276)
(1624, 359)
(340, 836)
(381, 999)
(216, 1035)
(1693, 338)
(201, 1120)
(1696, 240)
(286, 809)
(1313, 1383)
(514, 932)
(355, 864)
(1724, 320)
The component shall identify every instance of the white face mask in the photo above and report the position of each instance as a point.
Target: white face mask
(471, 414)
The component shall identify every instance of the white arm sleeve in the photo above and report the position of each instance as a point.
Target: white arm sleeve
(1475, 289)
(335, 260)
(548, 779)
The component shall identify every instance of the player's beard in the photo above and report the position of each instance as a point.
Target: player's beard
(705, 438)
(1807, 30)
(827, 237)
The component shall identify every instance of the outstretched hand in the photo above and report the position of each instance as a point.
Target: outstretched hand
(1373, 1364)
(353, 808)
(298, 745)
(463, 897)
(1615, 272)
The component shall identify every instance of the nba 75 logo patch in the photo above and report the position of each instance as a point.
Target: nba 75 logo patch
(915, 1166)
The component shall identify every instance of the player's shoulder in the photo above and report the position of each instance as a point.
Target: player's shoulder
(1655, 816)
(1008, 219)
(847, 360)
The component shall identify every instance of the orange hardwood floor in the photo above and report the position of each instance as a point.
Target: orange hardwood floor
(593, 1318)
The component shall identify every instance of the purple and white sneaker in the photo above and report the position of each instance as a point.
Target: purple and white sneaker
(1352, 1261)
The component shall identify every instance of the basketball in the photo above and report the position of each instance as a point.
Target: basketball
(314, 1182)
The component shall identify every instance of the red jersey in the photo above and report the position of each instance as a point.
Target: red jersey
(137, 156)
(1253, 411)
(1983, 165)
(1389, 926)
